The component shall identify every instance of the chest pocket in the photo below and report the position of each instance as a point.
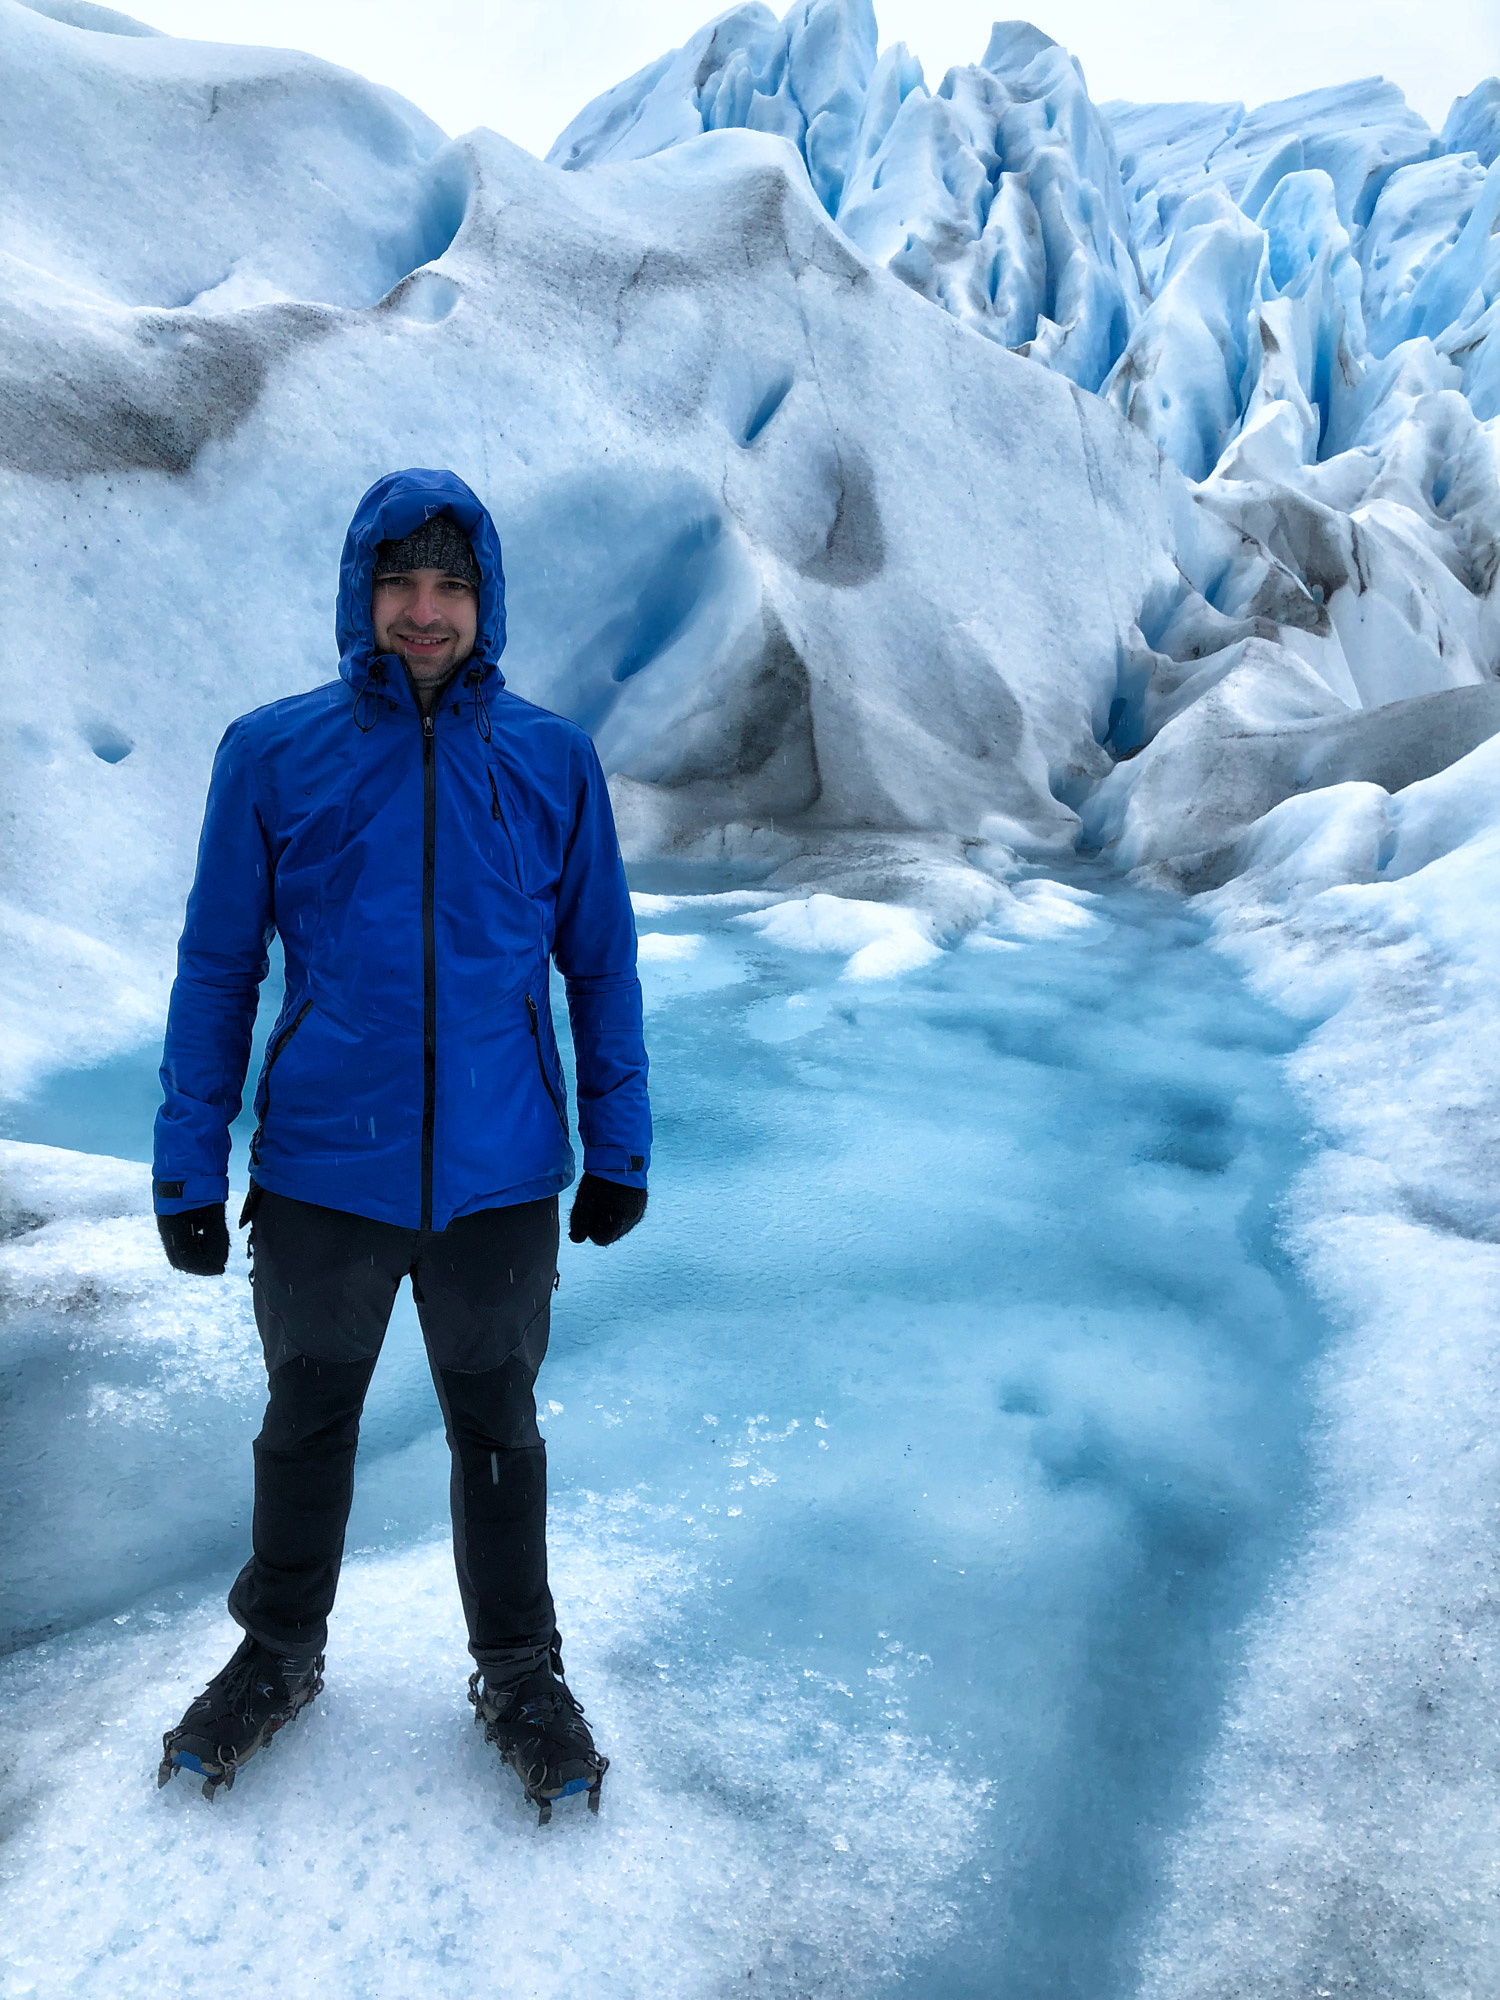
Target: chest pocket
(509, 851)
(530, 829)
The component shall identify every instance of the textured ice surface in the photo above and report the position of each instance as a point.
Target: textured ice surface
(914, 1463)
(1296, 303)
(1347, 1839)
(785, 1832)
(998, 196)
(795, 629)
(327, 199)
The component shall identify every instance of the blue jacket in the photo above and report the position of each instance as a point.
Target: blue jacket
(420, 872)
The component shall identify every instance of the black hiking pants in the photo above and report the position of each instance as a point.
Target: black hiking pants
(324, 1285)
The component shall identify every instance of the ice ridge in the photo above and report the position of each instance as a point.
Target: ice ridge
(997, 196)
(1141, 249)
(1297, 304)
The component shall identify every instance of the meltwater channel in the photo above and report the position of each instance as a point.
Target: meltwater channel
(915, 1468)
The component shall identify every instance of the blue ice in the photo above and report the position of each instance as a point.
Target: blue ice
(915, 1467)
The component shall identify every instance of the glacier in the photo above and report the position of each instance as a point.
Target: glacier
(1029, 567)
(884, 1567)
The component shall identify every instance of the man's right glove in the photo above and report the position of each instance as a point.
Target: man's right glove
(604, 1211)
(197, 1240)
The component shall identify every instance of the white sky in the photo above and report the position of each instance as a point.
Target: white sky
(525, 67)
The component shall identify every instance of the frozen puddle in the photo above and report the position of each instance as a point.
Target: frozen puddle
(914, 1468)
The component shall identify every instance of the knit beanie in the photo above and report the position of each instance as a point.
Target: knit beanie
(438, 544)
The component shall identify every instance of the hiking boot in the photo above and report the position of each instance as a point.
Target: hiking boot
(240, 1710)
(538, 1727)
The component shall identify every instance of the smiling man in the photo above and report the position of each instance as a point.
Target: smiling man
(423, 842)
(425, 603)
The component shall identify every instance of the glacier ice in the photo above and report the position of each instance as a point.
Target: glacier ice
(909, 487)
(998, 197)
(817, 624)
(890, 1517)
(326, 200)
(1294, 303)
(1347, 1830)
(726, 551)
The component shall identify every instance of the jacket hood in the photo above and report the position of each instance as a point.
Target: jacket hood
(392, 508)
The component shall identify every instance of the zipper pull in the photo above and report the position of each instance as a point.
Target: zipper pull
(426, 725)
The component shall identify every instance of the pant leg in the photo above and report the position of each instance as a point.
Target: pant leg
(324, 1284)
(484, 1294)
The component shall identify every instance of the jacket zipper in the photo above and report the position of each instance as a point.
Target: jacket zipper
(536, 1036)
(498, 815)
(429, 962)
(271, 1061)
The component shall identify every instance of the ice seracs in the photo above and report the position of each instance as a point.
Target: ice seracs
(1294, 303)
(997, 196)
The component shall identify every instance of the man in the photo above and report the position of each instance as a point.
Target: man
(423, 842)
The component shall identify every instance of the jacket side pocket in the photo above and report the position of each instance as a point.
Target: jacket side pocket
(541, 1063)
(277, 1050)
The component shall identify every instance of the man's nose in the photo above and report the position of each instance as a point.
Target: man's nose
(427, 610)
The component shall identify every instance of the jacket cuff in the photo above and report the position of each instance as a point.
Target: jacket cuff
(176, 1197)
(613, 1163)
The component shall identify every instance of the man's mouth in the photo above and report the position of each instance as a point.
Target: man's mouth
(425, 642)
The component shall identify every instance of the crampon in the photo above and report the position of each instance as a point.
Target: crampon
(539, 1730)
(244, 1705)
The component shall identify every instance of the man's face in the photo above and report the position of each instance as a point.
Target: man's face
(428, 619)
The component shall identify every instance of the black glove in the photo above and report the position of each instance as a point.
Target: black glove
(197, 1240)
(604, 1211)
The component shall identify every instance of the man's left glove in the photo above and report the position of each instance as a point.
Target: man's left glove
(197, 1241)
(604, 1211)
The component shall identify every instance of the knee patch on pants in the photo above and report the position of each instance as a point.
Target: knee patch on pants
(495, 1411)
(314, 1405)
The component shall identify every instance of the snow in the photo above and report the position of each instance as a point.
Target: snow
(378, 1843)
(938, 504)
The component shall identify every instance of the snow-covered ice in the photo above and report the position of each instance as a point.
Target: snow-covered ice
(1348, 1832)
(1051, 1412)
